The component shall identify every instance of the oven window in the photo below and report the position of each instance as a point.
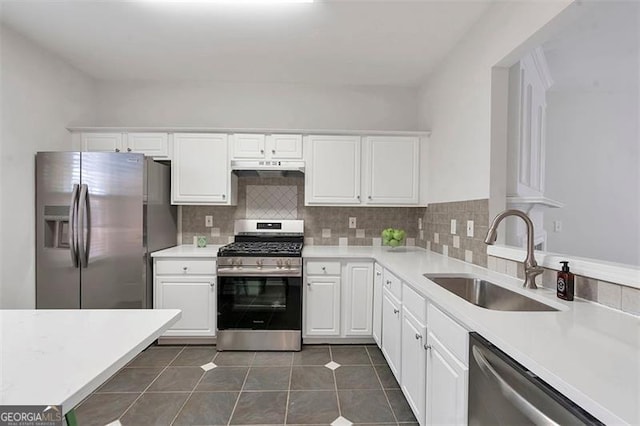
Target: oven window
(259, 303)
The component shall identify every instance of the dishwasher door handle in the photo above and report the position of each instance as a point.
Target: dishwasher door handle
(520, 402)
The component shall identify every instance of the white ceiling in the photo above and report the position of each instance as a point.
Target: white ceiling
(327, 42)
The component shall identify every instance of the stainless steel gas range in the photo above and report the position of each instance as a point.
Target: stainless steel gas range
(260, 287)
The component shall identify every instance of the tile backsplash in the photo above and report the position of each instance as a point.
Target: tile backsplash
(613, 295)
(439, 238)
(323, 225)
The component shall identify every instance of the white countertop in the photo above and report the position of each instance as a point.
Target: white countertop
(52, 357)
(586, 351)
(188, 250)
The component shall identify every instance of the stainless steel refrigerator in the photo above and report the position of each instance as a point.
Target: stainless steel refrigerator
(98, 216)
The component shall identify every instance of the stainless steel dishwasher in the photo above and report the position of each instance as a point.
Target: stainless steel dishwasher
(503, 392)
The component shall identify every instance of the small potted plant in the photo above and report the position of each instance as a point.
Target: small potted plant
(393, 237)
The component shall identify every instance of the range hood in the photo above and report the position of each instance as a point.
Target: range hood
(267, 168)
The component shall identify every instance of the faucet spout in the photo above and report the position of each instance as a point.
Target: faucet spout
(531, 268)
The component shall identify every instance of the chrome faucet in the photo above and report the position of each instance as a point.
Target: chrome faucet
(531, 268)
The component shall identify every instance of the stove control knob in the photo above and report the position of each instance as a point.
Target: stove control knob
(288, 264)
(239, 262)
(259, 262)
(279, 263)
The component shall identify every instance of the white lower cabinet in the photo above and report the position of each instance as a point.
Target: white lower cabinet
(447, 386)
(338, 299)
(391, 329)
(322, 304)
(447, 370)
(180, 284)
(413, 382)
(357, 305)
(377, 304)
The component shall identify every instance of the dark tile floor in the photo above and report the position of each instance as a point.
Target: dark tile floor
(168, 385)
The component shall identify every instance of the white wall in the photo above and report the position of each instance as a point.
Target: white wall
(455, 102)
(592, 167)
(41, 95)
(208, 104)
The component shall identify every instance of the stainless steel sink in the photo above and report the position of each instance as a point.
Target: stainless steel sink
(486, 294)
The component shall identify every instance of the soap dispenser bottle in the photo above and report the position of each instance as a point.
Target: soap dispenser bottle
(565, 282)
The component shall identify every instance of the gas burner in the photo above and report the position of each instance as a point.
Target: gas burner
(266, 238)
(262, 248)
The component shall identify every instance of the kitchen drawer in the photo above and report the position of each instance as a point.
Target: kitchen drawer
(185, 267)
(414, 303)
(323, 268)
(451, 334)
(393, 284)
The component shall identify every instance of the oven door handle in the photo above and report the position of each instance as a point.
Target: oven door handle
(519, 401)
(223, 272)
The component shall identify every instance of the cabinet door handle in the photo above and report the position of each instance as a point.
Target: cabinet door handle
(378, 273)
(358, 197)
(184, 268)
(388, 282)
(212, 283)
(369, 197)
(395, 311)
(273, 151)
(117, 149)
(128, 149)
(262, 151)
(224, 196)
(418, 336)
(426, 347)
(324, 269)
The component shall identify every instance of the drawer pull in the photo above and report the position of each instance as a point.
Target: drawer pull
(184, 268)
(418, 336)
(388, 282)
(378, 273)
(212, 284)
(395, 311)
(427, 347)
(324, 269)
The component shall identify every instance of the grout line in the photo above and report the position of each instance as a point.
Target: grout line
(286, 407)
(335, 383)
(384, 391)
(150, 384)
(191, 393)
(244, 382)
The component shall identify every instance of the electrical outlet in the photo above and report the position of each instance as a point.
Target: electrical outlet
(453, 226)
(352, 222)
(557, 226)
(469, 228)
(208, 221)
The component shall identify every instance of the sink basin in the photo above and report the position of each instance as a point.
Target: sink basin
(487, 295)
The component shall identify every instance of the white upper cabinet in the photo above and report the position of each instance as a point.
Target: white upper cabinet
(284, 146)
(253, 146)
(391, 170)
(247, 146)
(332, 174)
(102, 142)
(200, 170)
(154, 145)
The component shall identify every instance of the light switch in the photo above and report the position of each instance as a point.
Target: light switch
(453, 226)
(208, 221)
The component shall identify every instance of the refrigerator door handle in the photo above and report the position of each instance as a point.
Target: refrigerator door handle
(73, 237)
(83, 216)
